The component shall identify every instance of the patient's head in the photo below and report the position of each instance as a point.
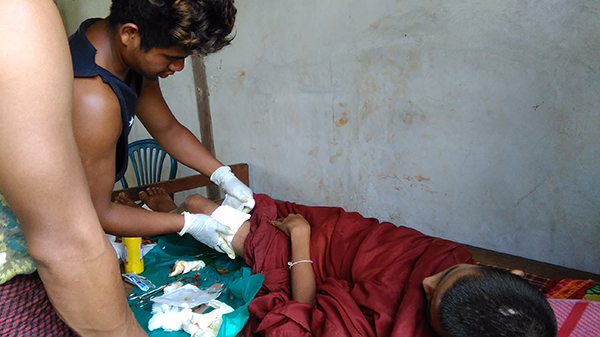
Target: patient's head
(470, 300)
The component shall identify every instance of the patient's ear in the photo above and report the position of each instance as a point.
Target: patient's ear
(518, 272)
(429, 286)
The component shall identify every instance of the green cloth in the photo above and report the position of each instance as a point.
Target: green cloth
(14, 257)
(241, 285)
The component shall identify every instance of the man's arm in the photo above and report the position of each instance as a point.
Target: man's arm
(42, 178)
(180, 143)
(97, 125)
(176, 139)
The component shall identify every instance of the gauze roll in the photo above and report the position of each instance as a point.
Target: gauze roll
(231, 218)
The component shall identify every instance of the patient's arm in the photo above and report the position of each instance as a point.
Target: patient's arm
(302, 278)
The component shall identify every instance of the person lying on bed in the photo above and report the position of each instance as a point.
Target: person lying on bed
(376, 255)
(362, 282)
(331, 272)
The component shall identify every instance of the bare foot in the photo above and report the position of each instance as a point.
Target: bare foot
(123, 199)
(157, 199)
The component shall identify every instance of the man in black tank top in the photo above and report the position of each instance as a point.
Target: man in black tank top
(117, 63)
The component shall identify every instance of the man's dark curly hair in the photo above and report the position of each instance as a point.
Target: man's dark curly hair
(196, 26)
(495, 303)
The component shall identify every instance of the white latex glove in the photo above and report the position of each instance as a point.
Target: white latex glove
(233, 186)
(208, 231)
(234, 203)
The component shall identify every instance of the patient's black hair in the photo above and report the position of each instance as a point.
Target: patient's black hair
(200, 26)
(495, 303)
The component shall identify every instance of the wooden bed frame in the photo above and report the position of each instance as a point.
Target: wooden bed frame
(184, 183)
(482, 255)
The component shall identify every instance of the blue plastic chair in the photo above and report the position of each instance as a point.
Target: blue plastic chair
(146, 158)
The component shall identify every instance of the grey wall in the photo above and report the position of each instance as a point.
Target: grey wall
(73, 12)
(476, 121)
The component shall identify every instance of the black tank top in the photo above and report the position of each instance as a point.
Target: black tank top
(83, 55)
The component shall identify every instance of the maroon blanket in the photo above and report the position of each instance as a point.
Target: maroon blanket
(368, 274)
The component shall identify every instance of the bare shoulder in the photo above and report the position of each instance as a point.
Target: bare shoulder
(91, 93)
(97, 126)
(96, 107)
(96, 119)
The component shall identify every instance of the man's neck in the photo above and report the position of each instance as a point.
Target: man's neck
(107, 43)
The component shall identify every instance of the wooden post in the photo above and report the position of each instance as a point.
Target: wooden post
(204, 117)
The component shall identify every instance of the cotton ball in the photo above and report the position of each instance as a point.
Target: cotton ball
(175, 318)
(156, 321)
(156, 308)
(168, 318)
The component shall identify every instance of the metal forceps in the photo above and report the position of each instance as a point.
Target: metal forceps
(142, 299)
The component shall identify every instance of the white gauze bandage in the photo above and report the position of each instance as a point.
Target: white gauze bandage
(230, 217)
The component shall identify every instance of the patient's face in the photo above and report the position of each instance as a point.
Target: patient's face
(437, 284)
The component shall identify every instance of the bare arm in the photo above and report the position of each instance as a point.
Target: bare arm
(302, 278)
(42, 177)
(176, 139)
(97, 125)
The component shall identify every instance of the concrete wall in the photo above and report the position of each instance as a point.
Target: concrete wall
(74, 12)
(476, 121)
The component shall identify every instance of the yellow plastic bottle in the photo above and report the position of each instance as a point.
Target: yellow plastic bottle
(134, 260)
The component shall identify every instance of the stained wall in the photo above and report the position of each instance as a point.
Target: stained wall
(476, 121)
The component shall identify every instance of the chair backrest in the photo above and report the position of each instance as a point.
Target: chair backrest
(146, 158)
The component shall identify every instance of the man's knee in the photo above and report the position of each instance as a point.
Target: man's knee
(196, 203)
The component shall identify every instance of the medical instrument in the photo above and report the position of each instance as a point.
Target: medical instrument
(143, 299)
(147, 295)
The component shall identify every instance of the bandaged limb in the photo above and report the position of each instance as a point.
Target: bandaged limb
(232, 218)
(233, 186)
(234, 203)
(208, 231)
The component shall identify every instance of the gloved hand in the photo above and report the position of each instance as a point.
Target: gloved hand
(233, 186)
(208, 231)
(234, 203)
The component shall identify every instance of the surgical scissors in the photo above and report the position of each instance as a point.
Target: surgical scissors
(143, 297)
